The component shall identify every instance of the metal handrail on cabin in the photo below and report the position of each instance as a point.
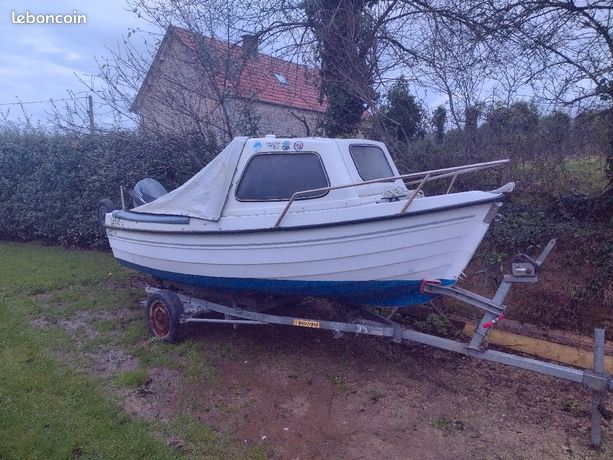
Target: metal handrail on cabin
(428, 176)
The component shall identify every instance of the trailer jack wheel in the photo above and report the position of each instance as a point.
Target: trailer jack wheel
(162, 313)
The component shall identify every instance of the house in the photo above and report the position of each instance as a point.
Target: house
(196, 83)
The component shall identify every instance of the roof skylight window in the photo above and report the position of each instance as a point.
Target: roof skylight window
(281, 78)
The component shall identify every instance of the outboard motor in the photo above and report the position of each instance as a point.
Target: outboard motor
(146, 190)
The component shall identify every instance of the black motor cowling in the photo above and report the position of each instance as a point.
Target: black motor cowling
(146, 190)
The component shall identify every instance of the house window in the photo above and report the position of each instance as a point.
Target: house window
(281, 78)
(277, 176)
(370, 161)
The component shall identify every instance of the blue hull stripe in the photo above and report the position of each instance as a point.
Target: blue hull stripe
(385, 293)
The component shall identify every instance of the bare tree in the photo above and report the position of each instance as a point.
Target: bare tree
(455, 64)
(357, 45)
(196, 86)
(569, 51)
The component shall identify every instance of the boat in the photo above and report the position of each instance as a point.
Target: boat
(308, 216)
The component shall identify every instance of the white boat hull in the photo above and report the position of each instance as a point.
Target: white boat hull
(377, 261)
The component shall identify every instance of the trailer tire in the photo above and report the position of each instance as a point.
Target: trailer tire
(104, 206)
(163, 313)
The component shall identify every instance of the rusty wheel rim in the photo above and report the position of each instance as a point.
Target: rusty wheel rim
(159, 319)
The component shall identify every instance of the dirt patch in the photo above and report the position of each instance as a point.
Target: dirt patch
(157, 399)
(41, 297)
(310, 396)
(110, 361)
(80, 321)
(41, 323)
(83, 321)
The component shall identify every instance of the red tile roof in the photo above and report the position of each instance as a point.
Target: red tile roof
(256, 78)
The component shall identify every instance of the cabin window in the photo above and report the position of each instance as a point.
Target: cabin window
(277, 176)
(370, 161)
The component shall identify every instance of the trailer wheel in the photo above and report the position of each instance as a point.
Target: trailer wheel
(162, 314)
(104, 206)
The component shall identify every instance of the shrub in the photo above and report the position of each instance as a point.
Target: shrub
(51, 183)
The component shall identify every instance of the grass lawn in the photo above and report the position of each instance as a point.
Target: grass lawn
(52, 405)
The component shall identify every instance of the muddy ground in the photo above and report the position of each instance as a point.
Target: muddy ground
(303, 394)
(312, 396)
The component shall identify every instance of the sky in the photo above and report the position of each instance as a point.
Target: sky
(42, 61)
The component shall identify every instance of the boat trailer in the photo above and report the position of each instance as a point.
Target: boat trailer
(167, 310)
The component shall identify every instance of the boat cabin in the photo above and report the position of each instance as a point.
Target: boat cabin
(269, 182)
(271, 170)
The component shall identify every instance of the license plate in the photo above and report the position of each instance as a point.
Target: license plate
(306, 323)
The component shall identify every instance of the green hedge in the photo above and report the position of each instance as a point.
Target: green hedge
(51, 183)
